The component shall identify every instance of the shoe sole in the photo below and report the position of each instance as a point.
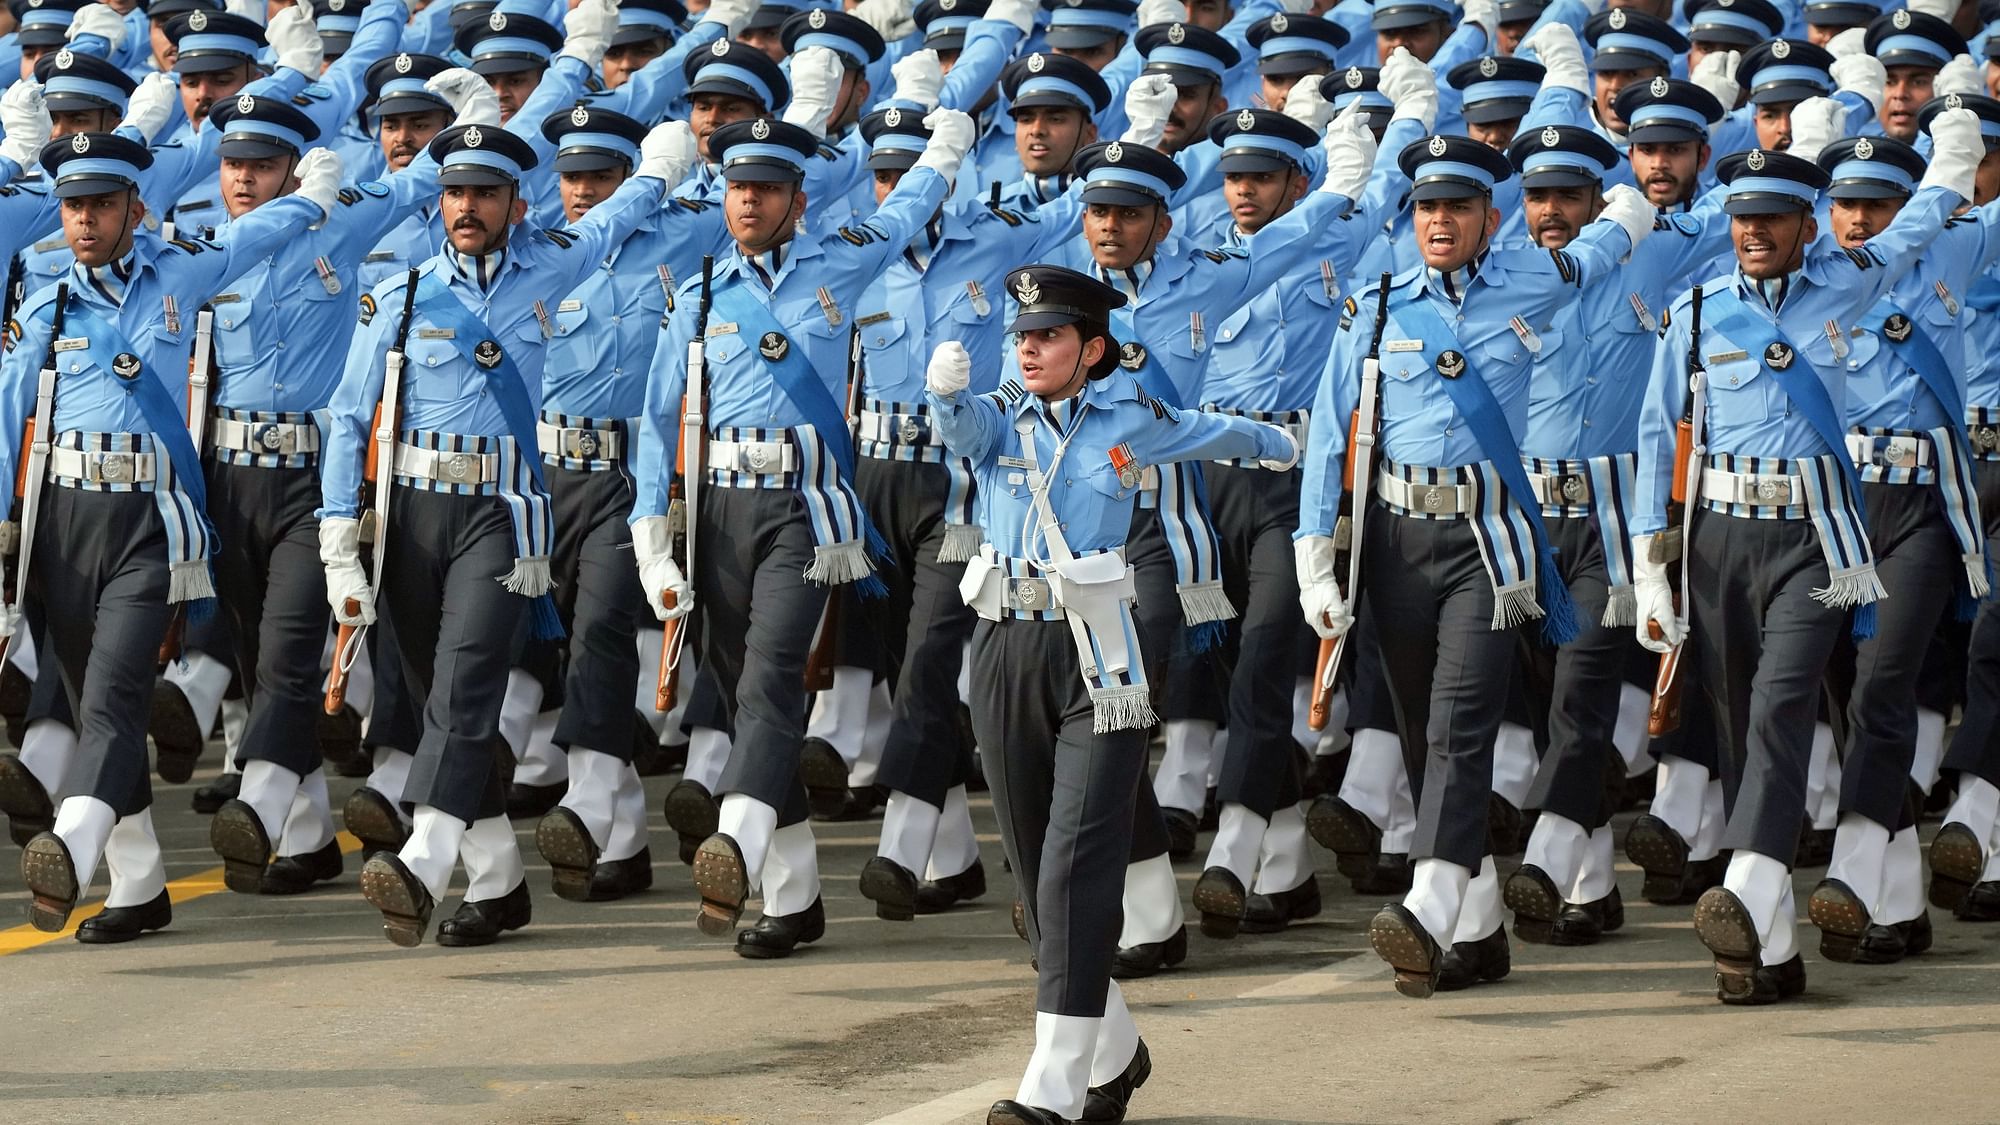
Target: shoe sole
(1345, 834)
(378, 828)
(26, 804)
(824, 773)
(1536, 907)
(175, 737)
(894, 901)
(690, 811)
(1407, 953)
(1842, 921)
(404, 917)
(1221, 906)
(723, 885)
(46, 869)
(1663, 860)
(239, 838)
(1956, 864)
(571, 853)
(1020, 920)
(1721, 924)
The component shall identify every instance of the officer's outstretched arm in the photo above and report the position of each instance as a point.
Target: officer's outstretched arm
(651, 91)
(1666, 397)
(1864, 274)
(660, 418)
(338, 92)
(989, 44)
(1325, 458)
(179, 165)
(352, 410)
(970, 425)
(1967, 248)
(365, 213)
(856, 255)
(573, 251)
(195, 270)
(1168, 435)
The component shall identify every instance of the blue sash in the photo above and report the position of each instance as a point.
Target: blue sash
(510, 392)
(1474, 401)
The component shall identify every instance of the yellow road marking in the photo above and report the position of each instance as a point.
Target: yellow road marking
(18, 938)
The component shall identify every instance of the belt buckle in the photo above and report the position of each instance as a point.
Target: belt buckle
(1775, 491)
(1572, 488)
(583, 443)
(1985, 439)
(456, 468)
(1030, 594)
(756, 456)
(911, 430)
(1433, 498)
(270, 437)
(1896, 451)
(112, 468)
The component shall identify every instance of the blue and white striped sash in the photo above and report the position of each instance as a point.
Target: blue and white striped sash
(1613, 482)
(840, 551)
(527, 503)
(1833, 510)
(1958, 494)
(185, 523)
(1506, 540)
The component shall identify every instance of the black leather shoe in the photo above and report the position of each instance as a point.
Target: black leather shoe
(864, 803)
(1182, 826)
(1843, 921)
(526, 802)
(1504, 824)
(340, 743)
(404, 901)
(16, 692)
(565, 842)
(691, 810)
(1389, 874)
(1772, 983)
(237, 834)
(1324, 775)
(482, 923)
(1917, 934)
(1661, 852)
(891, 887)
(614, 879)
(1468, 963)
(1346, 832)
(1882, 944)
(1815, 847)
(27, 804)
(296, 874)
(1148, 958)
(651, 759)
(937, 895)
(1010, 1112)
(1270, 914)
(1536, 903)
(177, 737)
(1724, 925)
(824, 772)
(370, 817)
(723, 883)
(116, 924)
(1586, 923)
(1402, 941)
(1108, 1103)
(51, 878)
(210, 797)
(1957, 861)
(1219, 896)
(777, 936)
(1982, 904)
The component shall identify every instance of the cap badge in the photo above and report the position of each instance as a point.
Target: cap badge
(1026, 291)
(1617, 20)
(335, 5)
(404, 63)
(80, 143)
(1550, 137)
(64, 58)
(497, 21)
(1489, 66)
(1355, 78)
(1246, 120)
(1781, 49)
(1036, 62)
(473, 136)
(1953, 101)
(892, 117)
(1755, 161)
(1279, 23)
(197, 21)
(1438, 146)
(1901, 19)
(721, 48)
(1114, 152)
(1864, 149)
(947, 5)
(818, 18)
(579, 116)
(1659, 87)
(246, 104)
(760, 130)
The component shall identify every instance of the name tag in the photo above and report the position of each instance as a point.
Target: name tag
(872, 318)
(726, 328)
(380, 256)
(48, 244)
(1402, 345)
(436, 334)
(1013, 462)
(571, 305)
(72, 344)
(1727, 357)
(225, 298)
(199, 205)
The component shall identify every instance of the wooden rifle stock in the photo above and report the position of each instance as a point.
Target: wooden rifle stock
(694, 415)
(1663, 713)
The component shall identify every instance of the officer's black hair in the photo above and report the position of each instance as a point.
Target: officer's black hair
(1089, 329)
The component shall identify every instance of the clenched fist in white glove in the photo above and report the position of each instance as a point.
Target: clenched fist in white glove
(1161, 11)
(1350, 153)
(471, 97)
(1959, 76)
(1149, 102)
(1716, 73)
(950, 369)
(1853, 41)
(890, 18)
(147, 110)
(1655, 598)
(1816, 123)
(1629, 208)
(1412, 86)
(1942, 9)
(1020, 13)
(319, 178)
(347, 589)
(1956, 150)
(731, 14)
(1861, 74)
(295, 40)
(816, 75)
(1306, 105)
(669, 152)
(588, 29)
(24, 114)
(1561, 56)
(952, 134)
(659, 575)
(1485, 13)
(101, 20)
(1319, 588)
(919, 78)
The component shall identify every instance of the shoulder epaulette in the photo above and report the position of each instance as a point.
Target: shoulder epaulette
(828, 152)
(1862, 257)
(1348, 308)
(187, 245)
(1565, 266)
(861, 235)
(1959, 220)
(1160, 409)
(563, 239)
(11, 335)
(313, 93)
(1006, 394)
(349, 197)
(8, 189)
(1011, 218)
(696, 205)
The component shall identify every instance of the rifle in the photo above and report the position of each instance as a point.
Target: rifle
(1361, 431)
(35, 455)
(380, 469)
(685, 492)
(1663, 716)
(10, 531)
(825, 652)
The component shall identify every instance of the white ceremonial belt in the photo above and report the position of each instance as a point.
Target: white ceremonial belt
(765, 458)
(264, 437)
(1425, 499)
(445, 466)
(583, 444)
(100, 467)
(893, 429)
(1762, 490)
(1561, 490)
(1890, 451)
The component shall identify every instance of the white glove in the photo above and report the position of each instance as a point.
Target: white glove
(669, 152)
(24, 114)
(1861, 74)
(1485, 13)
(1161, 11)
(1853, 41)
(471, 97)
(816, 74)
(1561, 56)
(1350, 153)
(10, 620)
(1655, 597)
(250, 10)
(295, 40)
(952, 135)
(1412, 86)
(652, 546)
(100, 20)
(890, 18)
(1149, 102)
(1959, 76)
(1816, 123)
(1716, 73)
(1942, 9)
(950, 369)
(918, 78)
(1020, 13)
(319, 178)
(147, 110)
(1285, 463)
(1956, 150)
(1319, 588)
(731, 14)
(340, 554)
(588, 29)
(1307, 106)
(1629, 208)
(1296, 7)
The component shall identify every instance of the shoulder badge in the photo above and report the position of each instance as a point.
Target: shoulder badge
(691, 204)
(376, 188)
(1666, 318)
(1161, 411)
(187, 245)
(1860, 256)
(348, 197)
(12, 335)
(859, 236)
(1348, 309)
(367, 309)
(1215, 255)
(1565, 265)
(563, 239)
(1011, 390)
